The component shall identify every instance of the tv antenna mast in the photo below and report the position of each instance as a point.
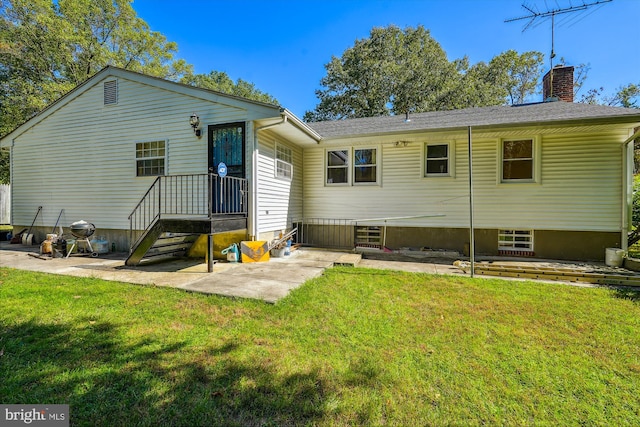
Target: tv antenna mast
(535, 15)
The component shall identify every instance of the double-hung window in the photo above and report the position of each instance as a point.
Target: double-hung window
(284, 162)
(337, 167)
(365, 165)
(150, 158)
(518, 160)
(437, 160)
(363, 169)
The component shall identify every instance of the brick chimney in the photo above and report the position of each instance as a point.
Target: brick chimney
(562, 84)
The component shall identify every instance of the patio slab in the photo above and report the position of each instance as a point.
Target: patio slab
(267, 281)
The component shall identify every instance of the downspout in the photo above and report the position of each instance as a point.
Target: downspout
(627, 187)
(254, 175)
(472, 239)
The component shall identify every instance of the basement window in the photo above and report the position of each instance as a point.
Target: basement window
(369, 237)
(111, 92)
(150, 158)
(515, 242)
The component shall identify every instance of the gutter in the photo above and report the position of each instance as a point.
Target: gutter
(301, 125)
(418, 127)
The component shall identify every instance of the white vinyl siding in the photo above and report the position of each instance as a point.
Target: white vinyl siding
(94, 144)
(579, 187)
(278, 199)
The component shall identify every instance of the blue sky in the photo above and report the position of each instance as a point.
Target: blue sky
(282, 45)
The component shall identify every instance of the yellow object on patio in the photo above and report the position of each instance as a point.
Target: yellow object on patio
(255, 251)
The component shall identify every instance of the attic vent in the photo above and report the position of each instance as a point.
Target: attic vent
(111, 92)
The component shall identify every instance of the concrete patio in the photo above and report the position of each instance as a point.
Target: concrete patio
(268, 281)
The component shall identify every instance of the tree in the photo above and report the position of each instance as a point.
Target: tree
(393, 71)
(398, 71)
(221, 82)
(626, 96)
(48, 47)
(518, 74)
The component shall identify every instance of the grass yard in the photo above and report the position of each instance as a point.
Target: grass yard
(354, 346)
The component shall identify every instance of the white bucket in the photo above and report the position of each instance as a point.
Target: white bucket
(613, 257)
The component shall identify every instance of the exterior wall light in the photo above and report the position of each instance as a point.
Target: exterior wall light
(194, 121)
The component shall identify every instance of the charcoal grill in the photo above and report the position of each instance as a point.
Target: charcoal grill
(82, 230)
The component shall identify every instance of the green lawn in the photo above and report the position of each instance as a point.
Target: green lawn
(353, 347)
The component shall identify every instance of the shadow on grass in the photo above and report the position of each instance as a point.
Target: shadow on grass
(632, 294)
(107, 381)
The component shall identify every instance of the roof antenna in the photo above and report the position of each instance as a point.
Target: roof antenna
(552, 13)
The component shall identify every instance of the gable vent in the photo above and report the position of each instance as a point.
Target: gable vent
(111, 92)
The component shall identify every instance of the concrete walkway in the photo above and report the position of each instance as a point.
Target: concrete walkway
(268, 281)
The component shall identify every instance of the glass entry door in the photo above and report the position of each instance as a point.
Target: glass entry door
(227, 145)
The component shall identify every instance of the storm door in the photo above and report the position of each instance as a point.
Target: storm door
(227, 147)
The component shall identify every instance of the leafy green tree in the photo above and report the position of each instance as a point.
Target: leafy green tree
(626, 96)
(517, 74)
(48, 47)
(221, 82)
(398, 71)
(393, 71)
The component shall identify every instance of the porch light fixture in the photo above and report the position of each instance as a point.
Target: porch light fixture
(194, 121)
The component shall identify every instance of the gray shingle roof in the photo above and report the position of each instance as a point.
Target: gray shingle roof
(498, 116)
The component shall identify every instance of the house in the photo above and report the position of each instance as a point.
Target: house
(550, 179)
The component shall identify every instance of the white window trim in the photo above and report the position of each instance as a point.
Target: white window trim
(135, 157)
(348, 167)
(377, 165)
(351, 166)
(451, 148)
(537, 156)
(276, 160)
